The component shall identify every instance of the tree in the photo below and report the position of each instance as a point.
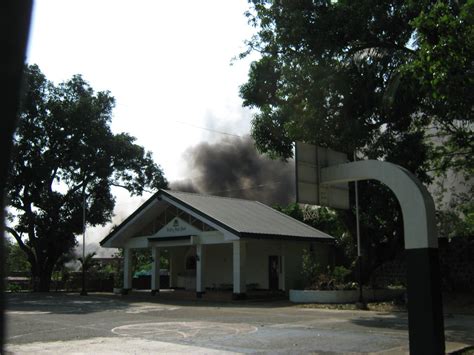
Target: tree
(142, 259)
(65, 155)
(358, 76)
(15, 260)
(443, 70)
(328, 221)
(353, 74)
(87, 262)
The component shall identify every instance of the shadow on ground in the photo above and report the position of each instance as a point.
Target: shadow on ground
(60, 303)
(73, 303)
(396, 321)
(457, 328)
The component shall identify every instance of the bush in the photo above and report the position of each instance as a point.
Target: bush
(317, 277)
(14, 288)
(310, 267)
(340, 274)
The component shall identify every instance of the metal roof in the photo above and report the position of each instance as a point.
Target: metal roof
(243, 218)
(246, 218)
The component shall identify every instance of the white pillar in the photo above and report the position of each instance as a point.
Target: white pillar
(199, 269)
(239, 258)
(155, 270)
(127, 268)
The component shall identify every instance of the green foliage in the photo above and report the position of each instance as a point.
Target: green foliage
(141, 260)
(88, 262)
(14, 288)
(15, 259)
(316, 277)
(64, 151)
(115, 269)
(322, 218)
(363, 75)
(328, 221)
(118, 273)
(458, 220)
(391, 80)
(340, 273)
(310, 268)
(325, 73)
(444, 74)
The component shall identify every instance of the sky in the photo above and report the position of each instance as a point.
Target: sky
(169, 65)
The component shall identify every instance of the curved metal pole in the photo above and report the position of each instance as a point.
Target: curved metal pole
(416, 202)
(425, 311)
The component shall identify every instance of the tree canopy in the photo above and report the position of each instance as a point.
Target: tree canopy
(366, 75)
(64, 154)
(392, 80)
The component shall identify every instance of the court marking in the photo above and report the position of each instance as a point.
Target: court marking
(183, 330)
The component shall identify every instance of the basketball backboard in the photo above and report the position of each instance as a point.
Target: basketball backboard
(309, 161)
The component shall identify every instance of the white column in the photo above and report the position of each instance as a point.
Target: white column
(155, 270)
(199, 269)
(127, 268)
(239, 258)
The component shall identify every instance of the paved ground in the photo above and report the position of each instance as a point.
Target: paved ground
(100, 323)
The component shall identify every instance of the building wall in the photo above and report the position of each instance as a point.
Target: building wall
(258, 253)
(218, 262)
(257, 261)
(177, 263)
(218, 265)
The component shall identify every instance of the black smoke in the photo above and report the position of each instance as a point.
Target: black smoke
(233, 167)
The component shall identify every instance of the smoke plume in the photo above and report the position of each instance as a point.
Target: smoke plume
(233, 167)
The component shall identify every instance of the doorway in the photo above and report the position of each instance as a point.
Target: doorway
(273, 270)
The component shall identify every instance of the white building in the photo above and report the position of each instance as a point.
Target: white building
(214, 242)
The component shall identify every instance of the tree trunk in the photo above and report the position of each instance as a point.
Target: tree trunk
(41, 277)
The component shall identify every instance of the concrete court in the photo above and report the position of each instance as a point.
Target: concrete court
(58, 323)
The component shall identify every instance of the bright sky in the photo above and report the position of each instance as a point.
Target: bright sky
(167, 63)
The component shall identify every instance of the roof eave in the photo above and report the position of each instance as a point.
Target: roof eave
(120, 227)
(286, 237)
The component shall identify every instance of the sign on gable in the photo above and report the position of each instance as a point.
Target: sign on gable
(177, 228)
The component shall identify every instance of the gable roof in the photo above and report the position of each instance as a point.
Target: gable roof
(246, 217)
(242, 218)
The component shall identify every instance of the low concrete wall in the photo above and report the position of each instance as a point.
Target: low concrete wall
(342, 296)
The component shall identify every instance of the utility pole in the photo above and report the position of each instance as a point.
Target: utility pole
(361, 304)
(84, 291)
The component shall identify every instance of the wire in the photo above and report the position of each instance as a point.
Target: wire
(208, 129)
(198, 127)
